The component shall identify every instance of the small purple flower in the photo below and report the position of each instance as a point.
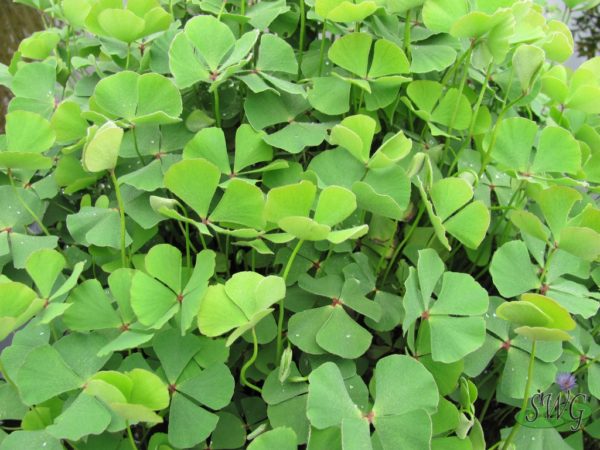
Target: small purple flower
(566, 381)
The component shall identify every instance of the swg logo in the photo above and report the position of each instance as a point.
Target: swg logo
(551, 410)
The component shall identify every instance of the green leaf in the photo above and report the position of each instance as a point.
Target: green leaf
(391, 151)
(90, 309)
(213, 387)
(123, 25)
(344, 10)
(163, 262)
(355, 134)
(530, 224)
(44, 267)
(28, 132)
(69, 424)
(522, 313)
(148, 98)
(450, 194)
(580, 241)
(132, 395)
(558, 316)
(274, 54)
(242, 204)
(470, 225)
(290, 200)
(250, 148)
(514, 142)
(280, 438)
(18, 304)
(429, 58)
(388, 59)
(189, 424)
(335, 205)
(209, 143)
(296, 136)
(304, 228)
(30, 439)
(512, 271)
(96, 226)
(330, 95)
(342, 336)
(102, 148)
(195, 182)
(67, 122)
(385, 192)
(556, 203)
(440, 15)
(328, 400)
(218, 314)
(543, 333)
(527, 61)
(34, 382)
(557, 151)
(420, 393)
(243, 301)
(351, 52)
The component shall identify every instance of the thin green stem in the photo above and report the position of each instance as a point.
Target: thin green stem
(302, 37)
(286, 272)
(223, 4)
(407, 33)
(121, 217)
(402, 244)
(128, 57)
(322, 49)
(130, 437)
(249, 363)
(517, 425)
(456, 65)
(217, 106)
(35, 217)
(242, 13)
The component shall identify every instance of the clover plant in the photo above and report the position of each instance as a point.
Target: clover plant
(278, 225)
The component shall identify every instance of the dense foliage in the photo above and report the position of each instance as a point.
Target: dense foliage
(325, 223)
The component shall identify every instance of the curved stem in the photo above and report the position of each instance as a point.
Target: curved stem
(130, 437)
(322, 49)
(286, 272)
(249, 363)
(35, 217)
(517, 425)
(121, 217)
